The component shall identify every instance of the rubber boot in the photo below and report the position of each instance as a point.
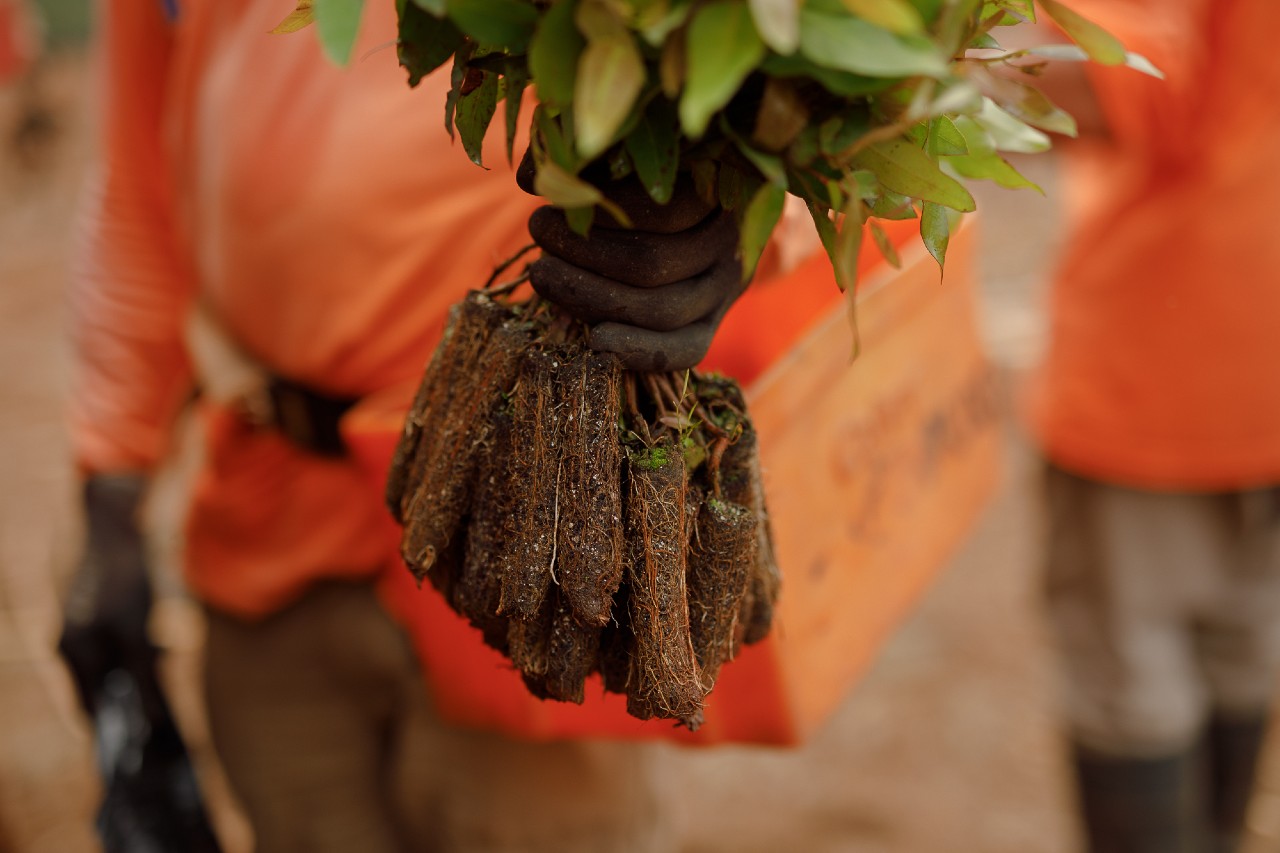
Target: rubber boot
(1142, 805)
(1234, 744)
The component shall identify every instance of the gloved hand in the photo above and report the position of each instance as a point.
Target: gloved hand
(105, 621)
(654, 293)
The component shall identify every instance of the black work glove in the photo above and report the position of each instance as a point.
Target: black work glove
(105, 620)
(653, 293)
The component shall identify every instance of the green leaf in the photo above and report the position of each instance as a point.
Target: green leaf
(457, 75)
(935, 231)
(848, 247)
(1038, 111)
(770, 165)
(551, 139)
(945, 139)
(843, 83)
(1024, 9)
(778, 22)
(610, 77)
(425, 42)
(896, 16)
(338, 23)
(654, 147)
(1075, 53)
(475, 112)
(891, 205)
(735, 188)
(849, 44)
(580, 219)
(887, 250)
(827, 234)
(553, 54)
(991, 167)
(1098, 43)
(758, 223)
(839, 133)
(435, 7)
(515, 80)
(563, 189)
(507, 24)
(728, 48)
(904, 168)
(1008, 133)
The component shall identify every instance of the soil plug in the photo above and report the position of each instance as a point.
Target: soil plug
(449, 452)
(589, 564)
(572, 651)
(721, 557)
(534, 478)
(741, 483)
(664, 680)
(478, 591)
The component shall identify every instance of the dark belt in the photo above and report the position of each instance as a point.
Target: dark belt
(308, 418)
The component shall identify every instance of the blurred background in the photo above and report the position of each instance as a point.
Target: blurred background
(947, 745)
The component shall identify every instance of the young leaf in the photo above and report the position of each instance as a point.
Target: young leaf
(505, 24)
(991, 167)
(1075, 53)
(654, 147)
(610, 77)
(896, 16)
(727, 49)
(553, 54)
(475, 111)
(1008, 133)
(1097, 42)
(935, 232)
(758, 223)
(848, 44)
(778, 22)
(300, 17)
(904, 168)
(338, 23)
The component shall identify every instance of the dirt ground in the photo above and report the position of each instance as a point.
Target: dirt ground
(948, 745)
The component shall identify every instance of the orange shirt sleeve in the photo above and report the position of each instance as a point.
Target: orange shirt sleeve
(129, 292)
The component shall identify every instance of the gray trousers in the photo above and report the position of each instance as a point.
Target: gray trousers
(1165, 608)
(322, 721)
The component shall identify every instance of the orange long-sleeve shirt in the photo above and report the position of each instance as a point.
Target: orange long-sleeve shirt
(1166, 310)
(321, 214)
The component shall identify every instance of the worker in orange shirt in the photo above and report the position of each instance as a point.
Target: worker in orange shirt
(288, 237)
(1158, 409)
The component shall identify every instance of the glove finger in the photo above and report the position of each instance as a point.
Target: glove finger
(637, 258)
(645, 349)
(594, 299)
(685, 209)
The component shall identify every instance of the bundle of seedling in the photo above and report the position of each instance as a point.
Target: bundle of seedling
(589, 519)
(585, 518)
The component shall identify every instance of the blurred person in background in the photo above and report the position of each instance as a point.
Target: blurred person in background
(1157, 407)
(288, 236)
